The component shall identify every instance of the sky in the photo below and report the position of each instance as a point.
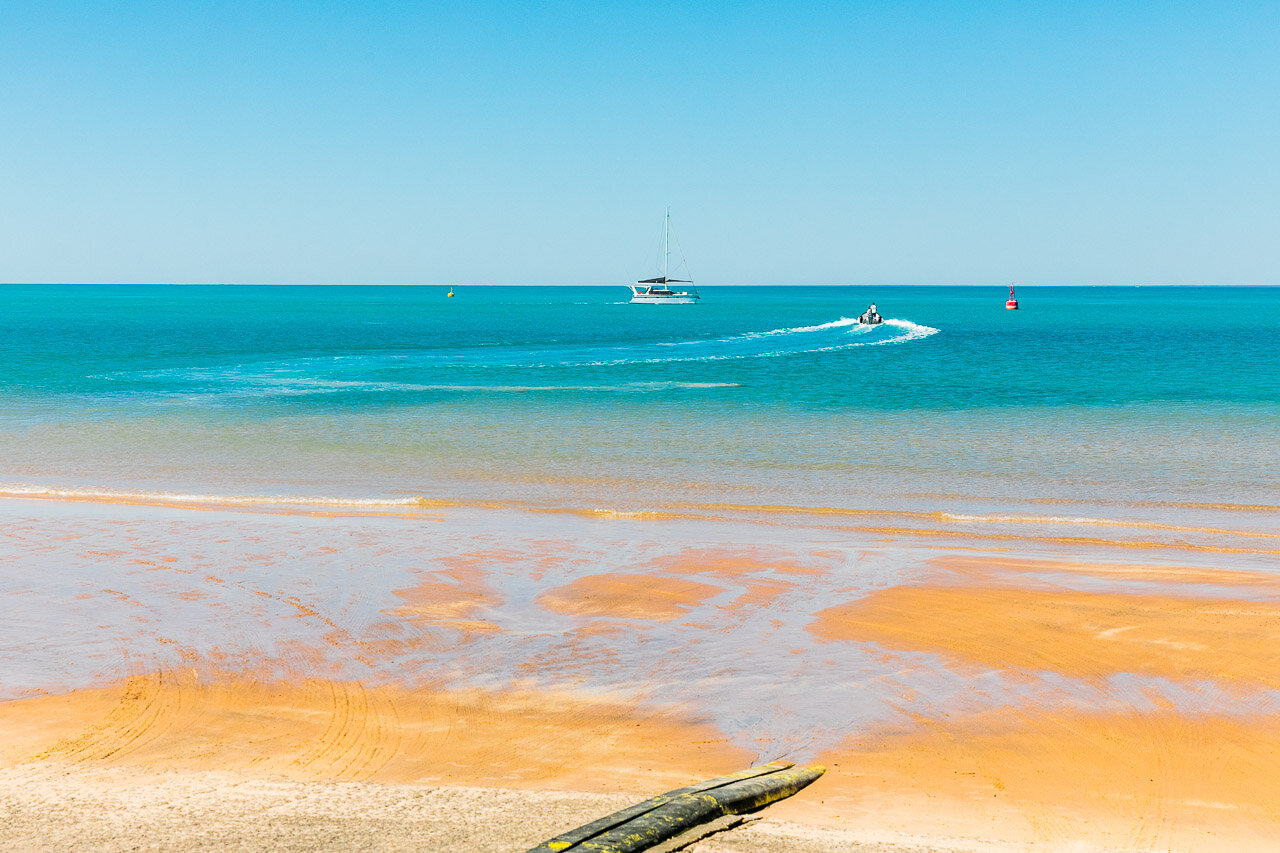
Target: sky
(540, 143)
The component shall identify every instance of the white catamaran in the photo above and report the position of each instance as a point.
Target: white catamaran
(658, 291)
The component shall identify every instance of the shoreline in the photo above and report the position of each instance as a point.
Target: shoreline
(1004, 529)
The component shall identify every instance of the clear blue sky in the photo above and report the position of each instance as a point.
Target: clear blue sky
(819, 143)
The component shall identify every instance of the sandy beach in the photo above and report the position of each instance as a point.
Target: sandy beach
(481, 679)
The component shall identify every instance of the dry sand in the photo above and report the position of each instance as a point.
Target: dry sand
(52, 807)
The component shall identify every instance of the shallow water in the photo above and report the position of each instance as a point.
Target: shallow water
(720, 618)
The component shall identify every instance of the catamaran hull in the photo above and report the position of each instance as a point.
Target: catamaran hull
(663, 300)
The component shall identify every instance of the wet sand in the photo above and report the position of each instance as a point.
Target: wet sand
(1085, 635)
(277, 680)
(331, 730)
(1066, 780)
(171, 761)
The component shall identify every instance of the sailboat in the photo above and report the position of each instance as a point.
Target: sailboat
(658, 291)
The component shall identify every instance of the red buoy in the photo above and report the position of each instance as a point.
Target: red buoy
(1011, 304)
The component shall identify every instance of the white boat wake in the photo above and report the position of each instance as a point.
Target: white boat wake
(420, 371)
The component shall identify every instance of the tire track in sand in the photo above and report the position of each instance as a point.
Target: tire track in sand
(361, 737)
(147, 709)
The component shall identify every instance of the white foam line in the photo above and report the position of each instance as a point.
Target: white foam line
(280, 388)
(1085, 521)
(1039, 519)
(183, 498)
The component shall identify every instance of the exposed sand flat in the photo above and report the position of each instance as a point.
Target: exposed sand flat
(1080, 634)
(170, 762)
(448, 599)
(631, 595)
(1016, 570)
(1064, 780)
(175, 762)
(329, 730)
(1160, 779)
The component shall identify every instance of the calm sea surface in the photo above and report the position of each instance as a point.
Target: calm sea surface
(1153, 399)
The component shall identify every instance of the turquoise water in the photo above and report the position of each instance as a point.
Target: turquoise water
(571, 396)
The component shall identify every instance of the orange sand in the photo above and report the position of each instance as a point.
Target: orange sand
(747, 568)
(1158, 781)
(327, 730)
(1134, 782)
(451, 599)
(1088, 635)
(634, 596)
(736, 562)
(982, 569)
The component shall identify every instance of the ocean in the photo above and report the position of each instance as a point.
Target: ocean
(1163, 401)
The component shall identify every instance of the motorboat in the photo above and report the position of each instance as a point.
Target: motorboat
(871, 317)
(659, 290)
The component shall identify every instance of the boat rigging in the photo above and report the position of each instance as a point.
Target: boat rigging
(659, 291)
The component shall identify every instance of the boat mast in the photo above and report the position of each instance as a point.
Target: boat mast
(666, 250)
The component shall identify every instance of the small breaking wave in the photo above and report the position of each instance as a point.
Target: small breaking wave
(1085, 521)
(191, 498)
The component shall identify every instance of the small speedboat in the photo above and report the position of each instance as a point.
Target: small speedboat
(871, 317)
